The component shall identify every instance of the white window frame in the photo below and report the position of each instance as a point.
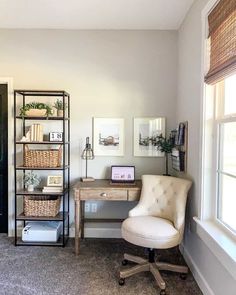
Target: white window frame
(220, 119)
(214, 234)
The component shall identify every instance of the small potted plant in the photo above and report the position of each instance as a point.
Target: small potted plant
(58, 105)
(31, 180)
(35, 109)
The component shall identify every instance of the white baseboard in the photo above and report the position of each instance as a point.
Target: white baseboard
(201, 281)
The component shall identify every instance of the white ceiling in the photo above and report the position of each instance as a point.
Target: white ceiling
(93, 14)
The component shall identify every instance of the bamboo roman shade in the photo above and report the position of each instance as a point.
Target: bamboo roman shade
(222, 40)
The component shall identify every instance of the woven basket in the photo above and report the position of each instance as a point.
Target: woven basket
(36, 113)
(41, 206)
(42, 158)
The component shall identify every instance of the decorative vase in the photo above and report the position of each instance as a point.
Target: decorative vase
(60, 113)
(30, 188)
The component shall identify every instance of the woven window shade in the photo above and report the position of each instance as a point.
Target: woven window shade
(222, 41)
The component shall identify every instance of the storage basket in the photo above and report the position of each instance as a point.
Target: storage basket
(41, 206)
(42, 158)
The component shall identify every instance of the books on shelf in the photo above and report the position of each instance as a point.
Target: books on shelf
(52, 189)
(36, 132)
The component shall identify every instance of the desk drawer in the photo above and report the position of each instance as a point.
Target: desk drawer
(110, 195)
(134, 195)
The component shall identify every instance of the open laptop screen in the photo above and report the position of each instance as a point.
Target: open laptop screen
(123, 174)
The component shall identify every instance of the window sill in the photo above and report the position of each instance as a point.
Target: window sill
(221, 245)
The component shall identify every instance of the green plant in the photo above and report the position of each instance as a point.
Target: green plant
(165, 145)
(59, 104)
(31, 179)
(35, 105)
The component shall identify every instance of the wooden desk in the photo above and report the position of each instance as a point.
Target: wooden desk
(100, 190)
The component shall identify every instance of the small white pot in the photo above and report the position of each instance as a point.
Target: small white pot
(30, 188)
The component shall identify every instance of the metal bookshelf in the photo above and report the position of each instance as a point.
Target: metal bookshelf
(20, 97)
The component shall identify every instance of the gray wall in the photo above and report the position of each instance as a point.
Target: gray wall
(212, 273)
(108, 74)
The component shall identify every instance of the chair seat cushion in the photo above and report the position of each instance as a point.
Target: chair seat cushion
(150, 232)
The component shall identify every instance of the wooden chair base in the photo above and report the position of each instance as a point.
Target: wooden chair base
(153, 267)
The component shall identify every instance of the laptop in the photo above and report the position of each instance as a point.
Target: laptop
(122, 174)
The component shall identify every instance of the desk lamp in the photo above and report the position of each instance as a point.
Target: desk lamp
(87, 154)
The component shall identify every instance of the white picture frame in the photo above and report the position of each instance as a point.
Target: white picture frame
(108, 136)
(144, 131)
(54, 180)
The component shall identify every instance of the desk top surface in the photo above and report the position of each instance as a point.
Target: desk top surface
(106, 184)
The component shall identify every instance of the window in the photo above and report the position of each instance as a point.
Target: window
(225, 152)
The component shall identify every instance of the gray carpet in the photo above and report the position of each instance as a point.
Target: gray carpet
(52, 270)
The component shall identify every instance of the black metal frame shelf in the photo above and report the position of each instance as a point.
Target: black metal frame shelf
(42, 142)
(39, 192)
(59, 217)
(43, 118)
(60, 243)
(62, 216)
(40, 168)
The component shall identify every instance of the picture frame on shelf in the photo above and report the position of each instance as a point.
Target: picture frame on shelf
(56, 136)
(55, 180)
(108, 136)
(145, 132)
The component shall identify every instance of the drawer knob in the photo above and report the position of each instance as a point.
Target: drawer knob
(103, 194)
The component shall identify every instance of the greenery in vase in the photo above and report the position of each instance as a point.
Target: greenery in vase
(59, 104)
(165, 144)
(35, 105)
(31, 179)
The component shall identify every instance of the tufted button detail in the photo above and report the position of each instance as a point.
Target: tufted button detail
(164, 192)
(157, 200)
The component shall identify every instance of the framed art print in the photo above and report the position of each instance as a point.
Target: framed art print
(54, 180)
(146, 131)
(108, 136)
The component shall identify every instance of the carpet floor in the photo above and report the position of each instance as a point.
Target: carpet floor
(54, 270)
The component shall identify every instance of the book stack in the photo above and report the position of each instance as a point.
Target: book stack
(52, 189)
(36, 132)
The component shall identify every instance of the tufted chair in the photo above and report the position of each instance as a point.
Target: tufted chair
(157, 222)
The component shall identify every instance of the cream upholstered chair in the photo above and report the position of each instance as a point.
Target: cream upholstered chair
(157, 222)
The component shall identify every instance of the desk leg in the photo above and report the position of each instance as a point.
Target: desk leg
(77, 227)
(82, 204)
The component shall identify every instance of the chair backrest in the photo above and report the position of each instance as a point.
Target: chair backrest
(165, 197)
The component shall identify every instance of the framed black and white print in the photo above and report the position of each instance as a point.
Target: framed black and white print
(146, 131)
(108, 136)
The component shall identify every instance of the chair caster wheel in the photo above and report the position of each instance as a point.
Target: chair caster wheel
(183, 276)
(121, 281)
(124, 262)
(163, 292)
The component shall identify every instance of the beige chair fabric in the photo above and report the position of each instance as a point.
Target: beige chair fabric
(157, 222)
(158, 219)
